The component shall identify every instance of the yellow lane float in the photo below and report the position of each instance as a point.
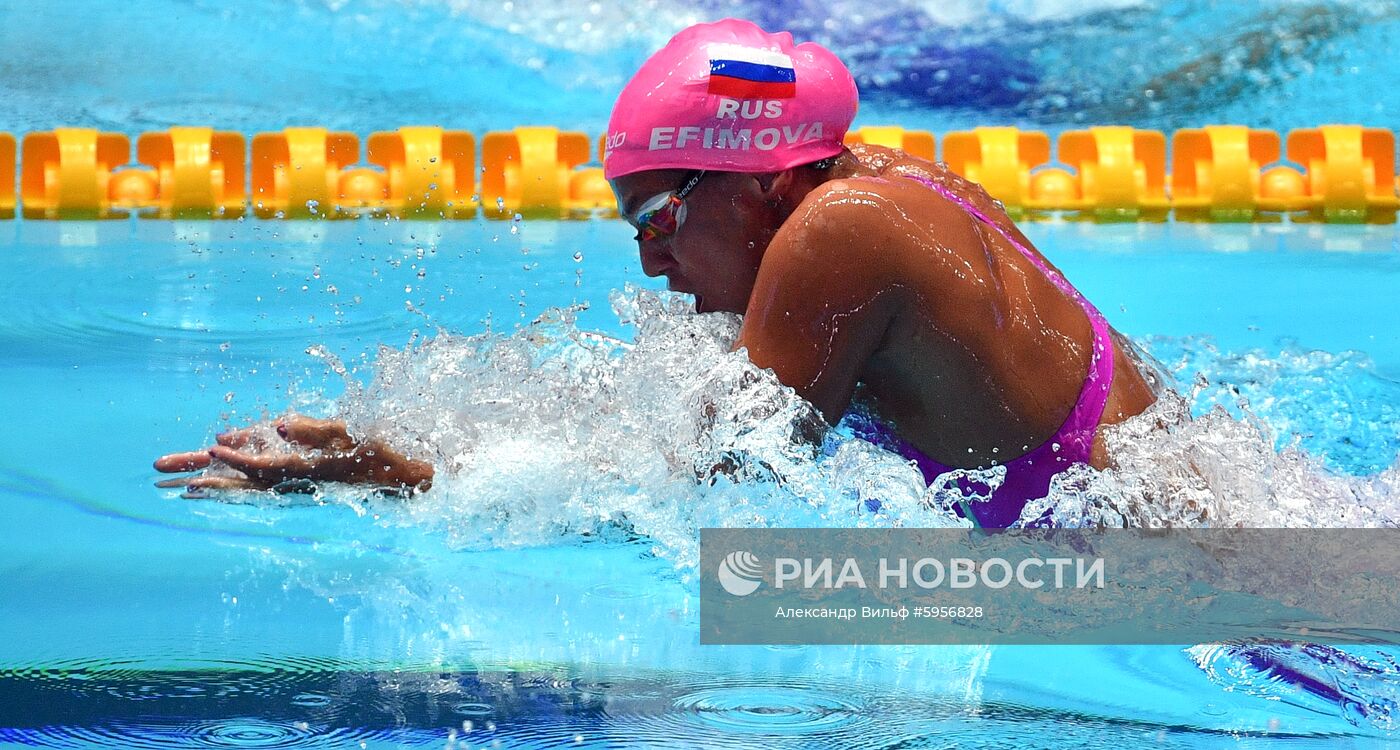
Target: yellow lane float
(194, 173)
(1216, 172)
(918, 143)
(529, 171)
(66, 173)
(1000, 160)
(1349, 174)
(429, 173)
(1121, 173)
(1334, 173)
(296, 173)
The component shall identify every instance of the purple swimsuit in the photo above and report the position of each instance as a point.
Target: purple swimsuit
(1027, 477)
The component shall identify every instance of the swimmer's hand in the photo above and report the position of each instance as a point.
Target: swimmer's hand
(323, 452)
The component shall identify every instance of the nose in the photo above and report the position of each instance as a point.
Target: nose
(656, 257)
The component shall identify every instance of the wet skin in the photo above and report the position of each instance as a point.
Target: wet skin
(322, 451)
(857, 282)
(851, 281)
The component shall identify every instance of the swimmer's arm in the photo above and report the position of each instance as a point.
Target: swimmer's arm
(324, 452)
(820, 307)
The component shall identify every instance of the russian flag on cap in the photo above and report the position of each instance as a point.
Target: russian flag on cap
(742, 72)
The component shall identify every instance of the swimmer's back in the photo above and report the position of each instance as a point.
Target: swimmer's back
(951, 330)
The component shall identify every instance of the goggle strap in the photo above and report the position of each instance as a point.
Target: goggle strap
(689, 186)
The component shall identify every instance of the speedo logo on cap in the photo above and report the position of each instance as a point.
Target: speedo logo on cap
(751, 73)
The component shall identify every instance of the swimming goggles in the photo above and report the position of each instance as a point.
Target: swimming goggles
(663, 214)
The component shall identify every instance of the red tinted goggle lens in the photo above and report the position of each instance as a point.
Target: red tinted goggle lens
(662, 221)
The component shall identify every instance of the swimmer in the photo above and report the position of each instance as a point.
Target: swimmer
(875, 284)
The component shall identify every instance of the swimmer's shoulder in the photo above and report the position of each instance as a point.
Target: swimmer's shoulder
(871, 209)
(872, 232)
(843, 212)
(893, 162)
(868, 231)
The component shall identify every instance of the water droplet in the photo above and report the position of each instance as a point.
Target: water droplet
(578, 257)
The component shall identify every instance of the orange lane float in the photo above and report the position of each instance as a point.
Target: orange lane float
(1000, 159)
(918, 143)
(65, 173)
(590, 195)
(193, 173)
(1216, 173)
(1121, 174)
(7, 176)
(297, 172)
(530, 171)
(1349, 174)
(1334, 173)
(429, 173)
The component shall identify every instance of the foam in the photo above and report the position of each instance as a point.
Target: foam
(551, 433)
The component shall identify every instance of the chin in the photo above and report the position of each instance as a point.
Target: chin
(703, 305)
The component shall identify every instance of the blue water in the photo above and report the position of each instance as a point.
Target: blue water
(517, 608)
(365, 65)
(129, 615)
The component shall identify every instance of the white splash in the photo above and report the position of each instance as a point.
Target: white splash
(1222, 470)
(553, 433)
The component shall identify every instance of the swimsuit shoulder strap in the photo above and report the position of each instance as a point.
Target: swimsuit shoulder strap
(1083, 420)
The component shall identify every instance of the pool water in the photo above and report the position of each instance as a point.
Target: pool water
(544, 593)
(132, 617)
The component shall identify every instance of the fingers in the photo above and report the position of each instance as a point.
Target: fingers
(198, 488)
(223, 483)
(196, 460)
(275, 466)
(240, 438)
(175, 462)
(325, 434)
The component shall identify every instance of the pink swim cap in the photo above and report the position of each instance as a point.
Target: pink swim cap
(730, 96)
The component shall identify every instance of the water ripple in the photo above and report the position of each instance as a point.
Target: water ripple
(764, 709)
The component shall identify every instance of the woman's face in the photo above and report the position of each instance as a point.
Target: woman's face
(716, 251)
